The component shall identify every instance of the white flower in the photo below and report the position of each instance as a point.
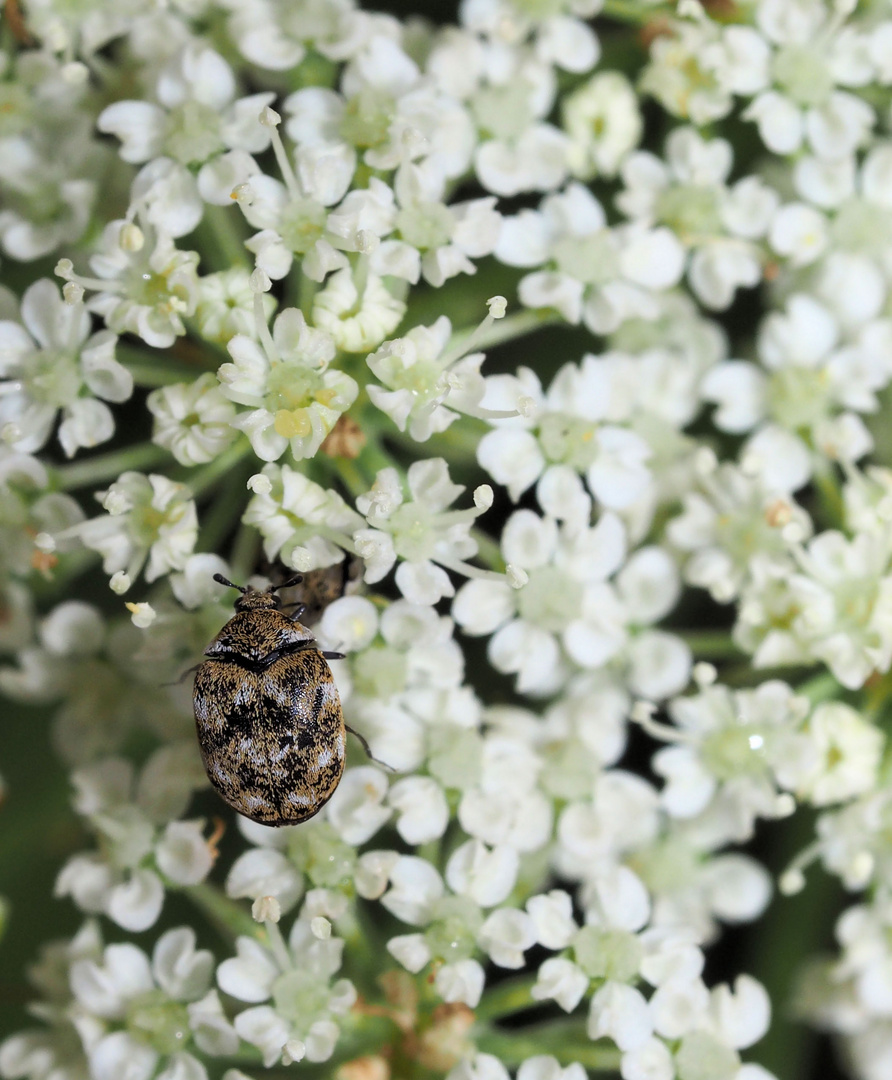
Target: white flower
(194, 421)
(603, 121)
(294, 397)
(149, 517)
(145, 288)
(56, 365)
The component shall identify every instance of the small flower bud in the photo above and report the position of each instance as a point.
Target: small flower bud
(791, 882)
(301, 559)
(72, 293)
(525, 405)
(260, 281)
(793, 533)
(497, 306)
(266, 909)
(64, 268)
(860, 869)
(119, 582)
(243, 194)
(320, 927)
(142, 615)
(10, 432)
(483, 497)
(784, 805)
(260, 484)
(45, 543)
(131, 238)
(642, 711)
(704, 674)
(516, 575)
(115, 502)
(366, 241)
(705, 461)
(293, 1051)
(75, 73)
(269, 117)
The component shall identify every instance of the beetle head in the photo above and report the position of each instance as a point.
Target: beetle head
(255, 599)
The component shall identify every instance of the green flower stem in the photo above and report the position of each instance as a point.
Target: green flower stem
(565, 1039)
(229, 917)
(245, 548)
(458, 444)
(221, 238)
(202, 479)
(219, 519)
(152, 368)
(710, 644)
(633, 11)
(305, 292)
(820, 687)
(507, 997)
(105, 467)
(509, 328)
(830, 498)
(488, 551)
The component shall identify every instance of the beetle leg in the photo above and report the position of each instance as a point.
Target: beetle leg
(335, 656)
(299, 609)
(367, 749)
(188, 671)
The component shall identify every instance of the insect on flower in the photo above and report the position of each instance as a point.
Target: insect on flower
(267, 711)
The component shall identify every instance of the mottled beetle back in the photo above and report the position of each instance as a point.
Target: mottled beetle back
(268, 715)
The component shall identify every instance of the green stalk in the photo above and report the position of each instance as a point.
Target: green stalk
(228, 916)
(564, 1039)
(633, 11)
(505, 998)
(152, 368)
(105, 467)
(222, 238)
(710, 644)
(206, 477)
(508, 329)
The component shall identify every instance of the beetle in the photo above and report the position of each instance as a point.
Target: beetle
(269, 720)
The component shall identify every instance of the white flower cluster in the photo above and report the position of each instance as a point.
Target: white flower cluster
(651, 481)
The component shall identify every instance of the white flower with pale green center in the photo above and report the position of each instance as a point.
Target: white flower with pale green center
(420, 530)
(145, 284)
(167, 1005)
(305, 525)
(292, 213)
(28, 508)
(426, 383)
(836, 606)
(733, 745)
(297, 978)
(732, 516)
(148, 518)
(603, 119)
(275, 34)
(387, 112)
(560, 35)
(52, 364)
(198, 123)
(687, 193)
(192, 420)
(226, 305)
(435, 239)
(294, 397)
(814, 54)
(357, 310)
(593, 273)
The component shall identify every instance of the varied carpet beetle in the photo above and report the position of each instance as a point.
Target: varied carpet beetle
(268, 715)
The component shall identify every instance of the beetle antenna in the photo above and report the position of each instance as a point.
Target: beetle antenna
(296, 580)
(225, 581)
